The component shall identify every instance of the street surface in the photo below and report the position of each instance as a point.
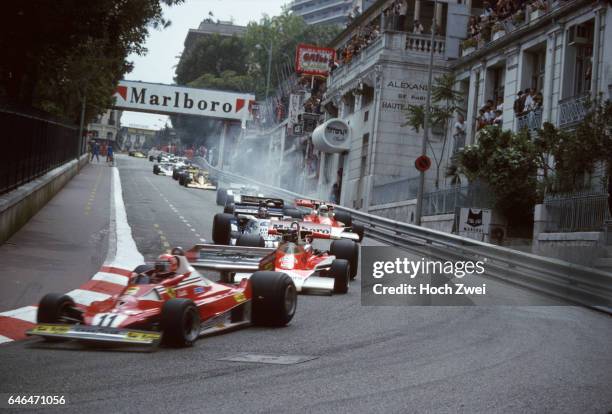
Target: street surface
(484, 359)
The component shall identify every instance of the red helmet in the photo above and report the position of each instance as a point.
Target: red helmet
(167, 263)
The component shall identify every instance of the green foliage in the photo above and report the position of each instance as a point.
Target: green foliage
(507, 162)
(58, 52)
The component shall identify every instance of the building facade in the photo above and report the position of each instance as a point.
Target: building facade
(328, 11)
(105, 127)
(556, 50)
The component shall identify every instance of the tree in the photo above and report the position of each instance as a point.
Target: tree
(58, 52)
(446, 102)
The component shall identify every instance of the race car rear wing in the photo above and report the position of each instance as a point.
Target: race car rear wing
(317, 231)
(227, 258)
(250, 205)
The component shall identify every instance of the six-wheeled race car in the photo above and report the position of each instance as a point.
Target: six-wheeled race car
(164, 168)
(173, 304)
(312, 270)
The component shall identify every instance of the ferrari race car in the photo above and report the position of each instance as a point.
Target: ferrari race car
(312, 271)
(233, 193)
(172, 304)
(319, 212)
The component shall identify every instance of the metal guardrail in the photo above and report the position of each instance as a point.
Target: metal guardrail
(567, 281)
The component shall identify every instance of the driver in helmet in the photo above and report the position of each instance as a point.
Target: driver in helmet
(166, 266)
(324, 210)
(262, 212)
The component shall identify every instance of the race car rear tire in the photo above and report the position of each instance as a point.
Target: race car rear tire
(222, 228)
(274, 298)
(221, 196)
(156, 169)
(340, 270)
(293, 213)
(52, 307)
(180, 323)
(347, 250)
(229, 209)
(151, 158)
(175, 174)
(343, 217)
(359, 230)
(251, 240)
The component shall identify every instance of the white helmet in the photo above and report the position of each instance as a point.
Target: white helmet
(324, 210)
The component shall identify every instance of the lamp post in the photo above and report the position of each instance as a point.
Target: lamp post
(419, 204)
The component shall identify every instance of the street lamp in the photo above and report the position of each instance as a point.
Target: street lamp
(269, 50)
(419, 204)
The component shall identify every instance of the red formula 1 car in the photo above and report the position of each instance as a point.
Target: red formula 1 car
(323, 213)
(312, 271)
(171, 303)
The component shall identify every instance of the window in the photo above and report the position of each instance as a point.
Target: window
(365, 141)
(539, 69)
(366, 116)
(582, 80)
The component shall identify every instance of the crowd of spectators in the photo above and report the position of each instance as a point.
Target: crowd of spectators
(528, 102)
(500, 15)
(358, 42)
(491, 114)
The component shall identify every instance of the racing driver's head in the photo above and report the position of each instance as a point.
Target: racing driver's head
(262, 212)
(166, 264)
(323, 210)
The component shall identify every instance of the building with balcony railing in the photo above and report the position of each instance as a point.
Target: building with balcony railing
(328, 11)
(554, 49)
(105, 126)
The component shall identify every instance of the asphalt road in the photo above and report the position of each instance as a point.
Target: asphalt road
(367, 359)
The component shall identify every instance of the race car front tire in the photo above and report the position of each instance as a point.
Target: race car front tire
(53, 306)
(340, 270)
(343, 217)
(180, 323)
(251, 240)
(274, 298)
(347, 250)
(222, 228)
(359, 230)
(221, 196)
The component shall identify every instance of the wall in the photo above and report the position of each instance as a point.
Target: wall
(21, 204)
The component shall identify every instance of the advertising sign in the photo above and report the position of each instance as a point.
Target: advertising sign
(172, 99)
(332, 136)
(313, 60)
(474, 222)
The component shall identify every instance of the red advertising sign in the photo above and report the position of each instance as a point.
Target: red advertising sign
(313, 60)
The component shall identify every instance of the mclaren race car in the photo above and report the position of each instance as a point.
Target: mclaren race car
(319, 212)
(170, 303)
(312, 271)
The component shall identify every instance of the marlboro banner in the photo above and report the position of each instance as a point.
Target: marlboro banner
(173, 99)
(313, 60)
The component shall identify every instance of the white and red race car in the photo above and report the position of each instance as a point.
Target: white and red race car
(323, 214)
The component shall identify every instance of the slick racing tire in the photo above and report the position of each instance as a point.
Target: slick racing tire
(343, 217)
(251, 240)
(293, 213)
(180, 323)
(359, 230)
(53, 307)
(156, 169)
(341, 272)
(274, 298)
(151, 158)
(222, 228)
(347, 250)
(221, 196)
(229, 208)
(175, 174)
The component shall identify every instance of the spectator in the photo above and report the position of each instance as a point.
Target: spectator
(499, 120)
(402, 11)
(500, 104)
(459, 128)
(529, 103)
(519, 104)
(418, 28)
(95, 152)
(109, 154)
(538, 101)
(481, 120)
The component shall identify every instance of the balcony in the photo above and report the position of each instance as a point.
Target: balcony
(572, 110)
(531, 121)
(398, 43)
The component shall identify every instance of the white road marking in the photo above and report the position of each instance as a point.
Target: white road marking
(111, 278)
(126, 254)
(4, 339)
(26, 313)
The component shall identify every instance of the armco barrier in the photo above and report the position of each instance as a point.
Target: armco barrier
(574, 283)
